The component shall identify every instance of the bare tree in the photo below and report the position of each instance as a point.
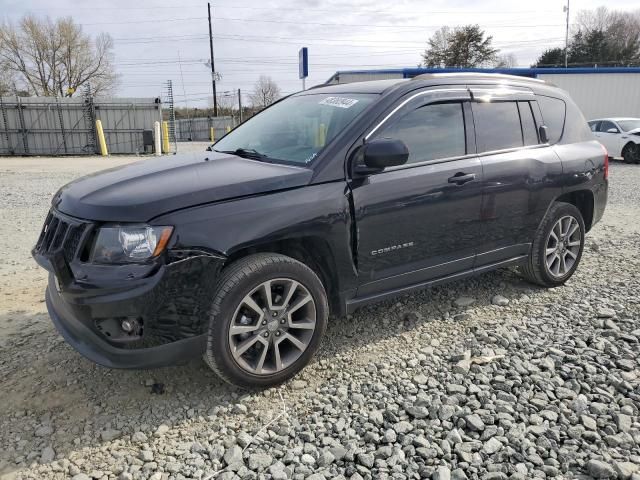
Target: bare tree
(506, 60)
(55, 58)
(5, 81)
(265, 92)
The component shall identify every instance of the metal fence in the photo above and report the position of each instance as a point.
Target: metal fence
(199, 129)
(66, 126)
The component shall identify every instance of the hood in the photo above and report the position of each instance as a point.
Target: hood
(143, 190)
(635, 131)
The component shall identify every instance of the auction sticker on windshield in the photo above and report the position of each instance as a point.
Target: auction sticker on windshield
(339, 102)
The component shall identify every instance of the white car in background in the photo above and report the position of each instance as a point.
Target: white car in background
(620, 136)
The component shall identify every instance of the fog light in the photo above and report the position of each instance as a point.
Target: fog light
(127, 326)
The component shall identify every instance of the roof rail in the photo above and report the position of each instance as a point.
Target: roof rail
(476, 75)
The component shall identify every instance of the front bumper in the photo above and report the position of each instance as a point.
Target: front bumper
(91, 346)
(171, 306)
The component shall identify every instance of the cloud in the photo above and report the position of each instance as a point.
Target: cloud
(252, 39)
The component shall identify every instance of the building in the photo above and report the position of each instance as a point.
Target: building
(600, 92)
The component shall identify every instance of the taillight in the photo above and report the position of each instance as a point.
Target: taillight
(606, 162)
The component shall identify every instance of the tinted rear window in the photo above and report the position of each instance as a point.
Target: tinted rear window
(529, 131)
(497, 126)
(553, 114)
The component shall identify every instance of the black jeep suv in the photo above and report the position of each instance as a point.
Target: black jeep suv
(329, 199)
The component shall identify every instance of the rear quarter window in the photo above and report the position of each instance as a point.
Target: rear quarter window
(553, 113)
(497, 126)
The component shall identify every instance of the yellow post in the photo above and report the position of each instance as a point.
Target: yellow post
(101, 141)
(321, 135)
(212, 134)
(228, 128)
(165, 137)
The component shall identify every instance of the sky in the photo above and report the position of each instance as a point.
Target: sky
(158, 40)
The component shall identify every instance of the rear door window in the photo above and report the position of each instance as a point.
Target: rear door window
(553, 114)
(529, 130)
(606, 125)
(497, 126)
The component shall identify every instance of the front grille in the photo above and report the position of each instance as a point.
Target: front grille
(60, 232)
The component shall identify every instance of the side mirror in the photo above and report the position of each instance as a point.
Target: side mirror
(379, 154)
(613, 130)
(209, 149)
(543, 132)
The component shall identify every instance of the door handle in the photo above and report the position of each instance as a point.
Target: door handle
(461, 178)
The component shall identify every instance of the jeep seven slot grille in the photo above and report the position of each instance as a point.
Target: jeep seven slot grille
(60, 232)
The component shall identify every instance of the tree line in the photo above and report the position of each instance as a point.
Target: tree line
(599, 37)
(602, 37)
(45, 57)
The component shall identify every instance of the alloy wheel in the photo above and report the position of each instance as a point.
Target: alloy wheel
(563, 246)
(272, 327)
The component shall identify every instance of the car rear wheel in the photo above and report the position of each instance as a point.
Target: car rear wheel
(631, 153)
(557, 246)
(267, 320)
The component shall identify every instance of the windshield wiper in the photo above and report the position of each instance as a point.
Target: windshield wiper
(245, 153)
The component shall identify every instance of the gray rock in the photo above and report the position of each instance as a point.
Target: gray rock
(81, 476)
(298, 384)
(403, 427)
(625, 470)
(146, 456)
(474, 422)
(598, 469)
(307, 459)
(458, 474)
(260, 461)
(233, 456)
(390, 436)
(623, 422)
(139, 437)
(492, 446)
(420, 379)
(604, 312)
(365, 459)
(463, 302)
(47, 455)
(589, 422)
(109, 435)
(499, 300)
(442, 473)
(376, 417)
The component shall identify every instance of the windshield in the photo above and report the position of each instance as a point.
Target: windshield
(295, 129)
(630, 124)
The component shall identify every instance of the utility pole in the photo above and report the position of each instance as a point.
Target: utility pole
(240, 104)
(213, 68)
(566, 38)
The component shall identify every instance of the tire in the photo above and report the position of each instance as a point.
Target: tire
(547, 270)
(631, 153)
(297, 299)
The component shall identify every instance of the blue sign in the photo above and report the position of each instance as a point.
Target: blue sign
(303, 63)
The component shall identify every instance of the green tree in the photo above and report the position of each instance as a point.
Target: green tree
(551, 57)
(601, 37)
(465, 46)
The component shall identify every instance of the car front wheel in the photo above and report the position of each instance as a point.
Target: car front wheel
(267, 320)
(631, 153)
(557, 246)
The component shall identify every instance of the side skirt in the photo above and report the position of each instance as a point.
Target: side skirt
(354, 303)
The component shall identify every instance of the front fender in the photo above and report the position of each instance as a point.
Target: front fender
(314, 211)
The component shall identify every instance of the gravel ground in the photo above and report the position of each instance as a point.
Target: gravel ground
(489, 378)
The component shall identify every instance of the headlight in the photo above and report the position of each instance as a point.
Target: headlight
(127, 244)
